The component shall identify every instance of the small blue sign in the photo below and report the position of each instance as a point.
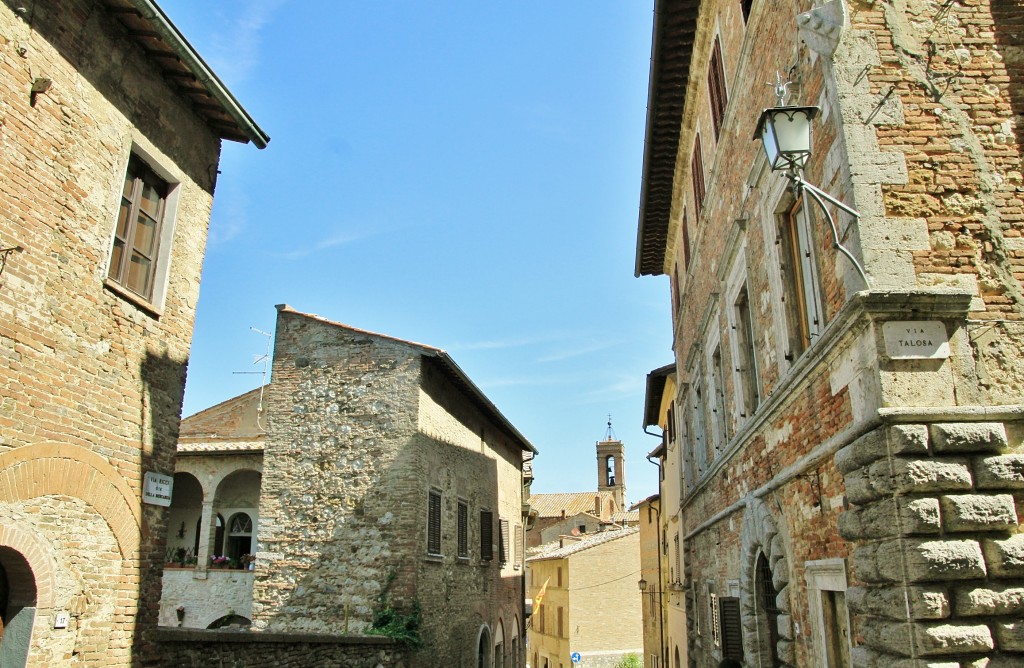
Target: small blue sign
(575, 656)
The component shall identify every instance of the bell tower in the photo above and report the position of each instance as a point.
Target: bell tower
(611, 469)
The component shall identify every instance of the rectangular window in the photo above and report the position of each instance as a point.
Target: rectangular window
(140, 219)
(503, 554)
(558, 577)
(701, 443)
(463, 530)
(561, 628)
(716, 87)
(519, 546)
(486, 535)
(732, 630)
(801, 298)
(747, 369)
(434, 523)
(697, 174)
(670, 422)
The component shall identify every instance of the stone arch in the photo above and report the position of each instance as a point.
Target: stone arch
(761, 535)
(37, 555)
(48, 468)
(484, 651)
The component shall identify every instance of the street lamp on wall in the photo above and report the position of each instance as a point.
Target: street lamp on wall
(642, 584)
(785, 134)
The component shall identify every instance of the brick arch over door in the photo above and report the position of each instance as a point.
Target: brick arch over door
(37, 554)
(761, 534)
(48, 468)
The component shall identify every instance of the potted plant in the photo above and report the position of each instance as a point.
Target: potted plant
(219, 561)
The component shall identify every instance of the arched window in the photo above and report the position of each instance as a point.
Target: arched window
(767, 612)
(239, 535)
(609, 470)
(677, 663)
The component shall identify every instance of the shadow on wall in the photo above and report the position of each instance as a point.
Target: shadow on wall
(163, 386)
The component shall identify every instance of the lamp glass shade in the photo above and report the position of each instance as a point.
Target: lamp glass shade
(642, 584)
(785, 133)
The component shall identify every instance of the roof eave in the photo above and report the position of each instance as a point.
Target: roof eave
(170, 33)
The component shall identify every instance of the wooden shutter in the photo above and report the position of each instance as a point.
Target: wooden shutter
(434, 523)
(463, 530)
(732, 631)
(502, 542)
(486, 535)
(697, 174)
(716, 87)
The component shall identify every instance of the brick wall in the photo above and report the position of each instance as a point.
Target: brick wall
(91, 381)
(918, 130)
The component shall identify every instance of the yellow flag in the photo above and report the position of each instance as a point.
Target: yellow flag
(540, 595)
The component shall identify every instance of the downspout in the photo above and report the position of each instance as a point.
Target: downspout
(169, 32)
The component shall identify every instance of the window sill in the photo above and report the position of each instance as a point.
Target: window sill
(130, 296)
(436, 558)
(462, 560)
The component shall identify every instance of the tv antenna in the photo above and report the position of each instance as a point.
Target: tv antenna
(257, 359)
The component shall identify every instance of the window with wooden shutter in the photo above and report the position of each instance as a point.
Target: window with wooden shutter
(486, 535)
(434, 523)
(519, 546)
(732, 631)
(716, 87)
(463, 530)
(502, 541)
(697, 174)
(133, 259)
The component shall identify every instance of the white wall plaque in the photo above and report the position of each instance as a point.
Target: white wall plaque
(60, 621)
(915, 339)
(156, 489)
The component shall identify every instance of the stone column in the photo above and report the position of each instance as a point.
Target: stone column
(206, 546)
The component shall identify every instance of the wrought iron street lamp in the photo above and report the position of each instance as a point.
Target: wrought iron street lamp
(785, 134)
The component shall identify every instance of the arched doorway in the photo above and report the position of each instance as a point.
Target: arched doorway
(483, 651)
(768, 612)
(17, 607)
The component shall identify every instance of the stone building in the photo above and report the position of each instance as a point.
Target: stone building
(110, 132)
(590, 604)
(567, 513)
(845, 426)
(371, 473)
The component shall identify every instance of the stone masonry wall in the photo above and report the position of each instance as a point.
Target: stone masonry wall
(231, 649)
(90, 381)
(361, 428)
(939, 557)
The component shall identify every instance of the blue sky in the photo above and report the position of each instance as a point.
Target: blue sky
(465, 175)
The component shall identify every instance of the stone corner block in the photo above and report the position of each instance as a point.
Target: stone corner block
(972, 601)
(978, 512)
(1005, 558)
(944, 639)
(967, 437)
(1000, 472)
(903, 475)
(924, 560)
(1010, 635)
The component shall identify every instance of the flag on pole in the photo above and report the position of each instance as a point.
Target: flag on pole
(540, 595)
